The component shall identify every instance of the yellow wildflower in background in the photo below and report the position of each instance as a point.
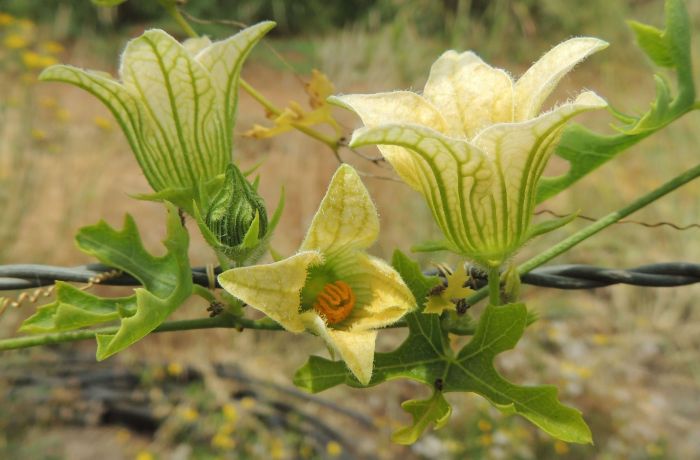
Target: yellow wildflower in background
(34, 61)
(15, 42)
(334, 449)
(52, 47)
(6, 19)
(102, 122)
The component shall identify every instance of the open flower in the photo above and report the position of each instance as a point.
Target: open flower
(331, 286)
(475, 144)
(176, 103)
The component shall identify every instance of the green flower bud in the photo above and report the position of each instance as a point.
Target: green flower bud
(233, 209)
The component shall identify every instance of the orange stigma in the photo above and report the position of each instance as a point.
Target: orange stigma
(335, 302)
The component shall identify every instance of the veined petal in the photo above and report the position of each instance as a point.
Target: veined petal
(357, 350)
(187, 130)
(453, 175)
(389, 298)
(537, 83)
(224, 60)
(197, 44)
(469, 93)
(274, 289)
(394, 107)
(123, 105)
(346, 219)
(520, 152)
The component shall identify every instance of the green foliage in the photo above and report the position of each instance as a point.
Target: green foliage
(586, 150)
(107, 3)
(423, 411)
(166, 280)
(426, 357)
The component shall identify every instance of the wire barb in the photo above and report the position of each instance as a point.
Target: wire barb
(18, 277)
(625, 221)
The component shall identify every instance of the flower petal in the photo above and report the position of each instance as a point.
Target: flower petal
(123, 105)
(469, 93)
(197, 44)
(274, 289)
(388, 298)
(395, 107)
(537, 83)
(224, 60)
(346, 219)
(357, 350)
(520, 152)
(187, 131)
(454, 177)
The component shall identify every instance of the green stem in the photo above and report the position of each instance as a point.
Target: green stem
(221, 321)
(596, 227)
(174, 12)
(494, 286)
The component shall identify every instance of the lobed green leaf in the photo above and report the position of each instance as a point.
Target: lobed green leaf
(426, 357)
(166, 280)
(434, 410)
(586, 150)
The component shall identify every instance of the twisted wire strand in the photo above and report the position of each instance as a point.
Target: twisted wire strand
(669, 274)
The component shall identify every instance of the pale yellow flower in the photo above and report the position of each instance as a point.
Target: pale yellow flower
(331, 287)
(176, 103)
(475, 144)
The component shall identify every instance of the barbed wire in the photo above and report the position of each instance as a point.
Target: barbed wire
(28, 276)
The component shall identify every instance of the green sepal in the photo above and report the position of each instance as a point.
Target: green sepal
(433, 246)
(435, 410)
(252, 238)
(180, 197)
(549, 225)
(183, 197)
(426, 357)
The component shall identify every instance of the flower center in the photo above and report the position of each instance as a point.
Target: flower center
(335, 301)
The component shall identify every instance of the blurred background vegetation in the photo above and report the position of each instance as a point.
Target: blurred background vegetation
(627, 357)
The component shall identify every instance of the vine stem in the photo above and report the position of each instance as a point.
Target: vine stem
(494, 286)
(221, 321)
(597, 226)
(231, 322)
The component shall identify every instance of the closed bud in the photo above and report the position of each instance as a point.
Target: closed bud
(233, 210)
